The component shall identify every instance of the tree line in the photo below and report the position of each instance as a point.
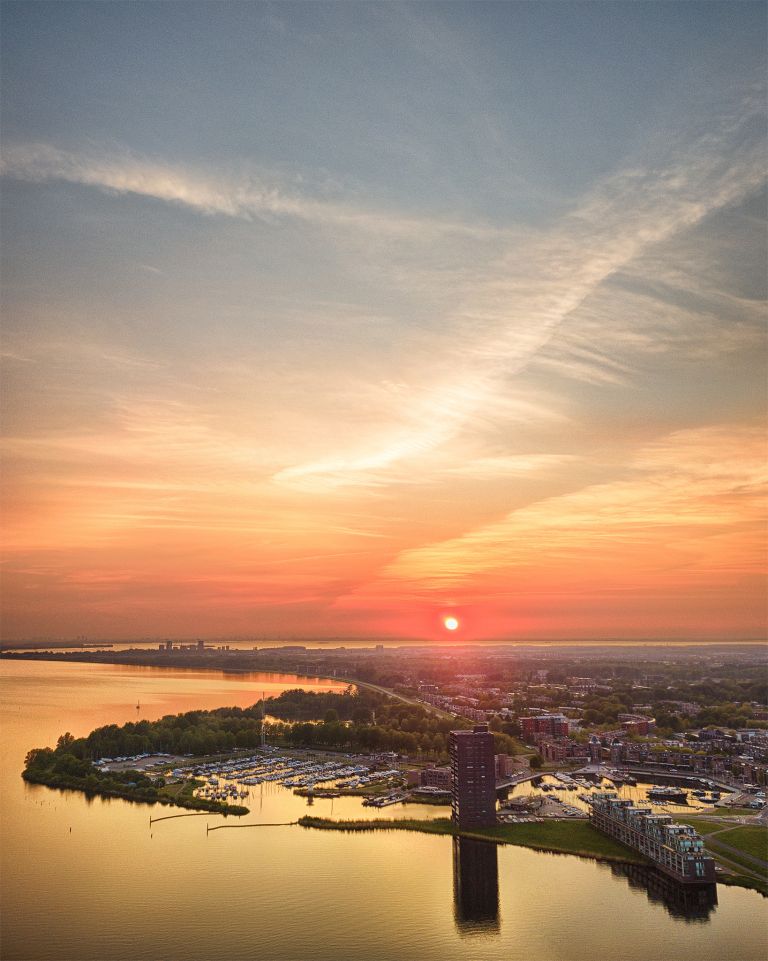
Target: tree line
(361, 720)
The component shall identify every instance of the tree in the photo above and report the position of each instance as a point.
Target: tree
(536, 762)
(39, 758)
(65, 741)
(512, 728)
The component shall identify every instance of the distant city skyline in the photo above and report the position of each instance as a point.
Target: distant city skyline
(439, 321)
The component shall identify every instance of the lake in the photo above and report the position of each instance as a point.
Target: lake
(92, 879)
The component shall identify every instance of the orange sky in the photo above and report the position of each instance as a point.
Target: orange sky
(496, 364)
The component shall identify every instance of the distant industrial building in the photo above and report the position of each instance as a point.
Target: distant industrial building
(473, 765)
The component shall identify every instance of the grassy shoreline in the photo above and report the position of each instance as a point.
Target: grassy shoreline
(559, 837)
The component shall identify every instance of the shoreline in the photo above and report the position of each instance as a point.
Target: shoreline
(524, 835)
(517, 835)
(135, 657)
(559, 837)
(187, 802)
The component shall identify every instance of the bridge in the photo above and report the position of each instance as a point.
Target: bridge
(509, 782)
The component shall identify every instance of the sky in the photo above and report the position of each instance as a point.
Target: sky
(340, 319)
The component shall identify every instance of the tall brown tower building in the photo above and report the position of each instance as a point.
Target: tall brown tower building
(474, 777)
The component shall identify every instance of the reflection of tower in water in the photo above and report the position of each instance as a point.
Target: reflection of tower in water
(475, 886)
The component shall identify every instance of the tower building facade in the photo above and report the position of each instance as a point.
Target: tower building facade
(474, 777)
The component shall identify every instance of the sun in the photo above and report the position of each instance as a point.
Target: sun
(451, 623)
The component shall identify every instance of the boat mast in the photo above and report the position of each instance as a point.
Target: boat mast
(263, 732)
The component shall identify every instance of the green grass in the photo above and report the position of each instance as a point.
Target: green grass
(739, 872)
(182, 794)
(750, 840)
(444, 801)
(564, 837)
(569, 837)
(703, 827)
(730, 860)
(180, 789)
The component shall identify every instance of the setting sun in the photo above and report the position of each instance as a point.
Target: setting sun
(451, 623)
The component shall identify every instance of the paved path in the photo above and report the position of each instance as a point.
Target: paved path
(721, 850)
(759, 863)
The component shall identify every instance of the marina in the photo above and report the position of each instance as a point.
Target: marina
(234, 778)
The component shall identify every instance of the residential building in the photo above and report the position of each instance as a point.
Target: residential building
(637, 723)
(439, 777)
(676, 849)
(552, 724)
(474, 777)
(507, 765)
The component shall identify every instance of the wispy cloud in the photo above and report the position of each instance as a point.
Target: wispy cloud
(509, 465)
(306, 358)
(692, 506)
(507, 310)
(508, 316)
(246, 194)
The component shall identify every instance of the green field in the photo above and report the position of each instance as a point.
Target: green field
(702, 826)
(750, 840)
(570, 837)
(178, 790)
(429, 799)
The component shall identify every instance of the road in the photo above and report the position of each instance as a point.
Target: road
(399, 697)
(519, 779)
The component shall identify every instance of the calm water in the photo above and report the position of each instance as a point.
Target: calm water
(88, 880)
(635, 792)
